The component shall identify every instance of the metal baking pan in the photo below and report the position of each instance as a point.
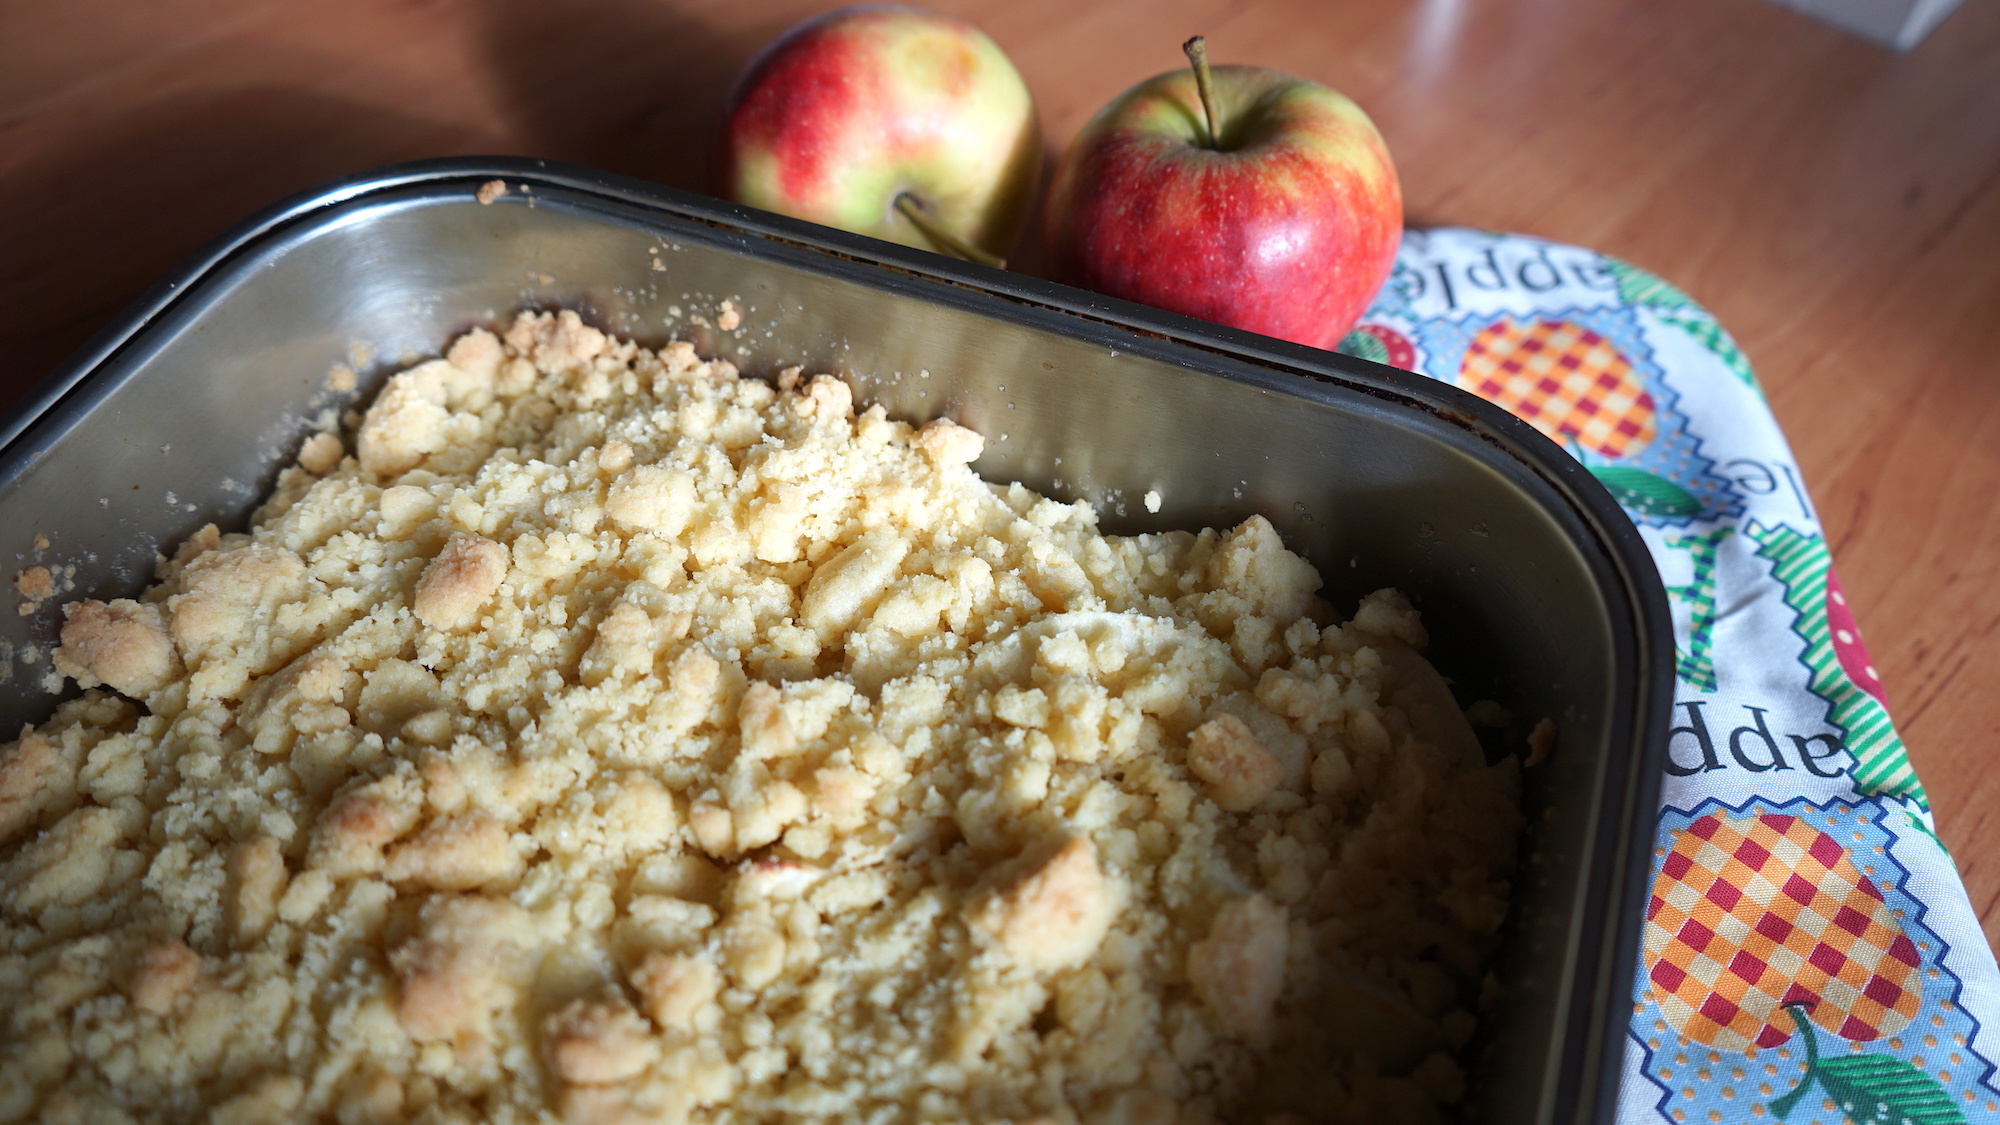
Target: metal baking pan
(1536, 587)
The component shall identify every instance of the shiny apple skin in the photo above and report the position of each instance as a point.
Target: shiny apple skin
(1288, 229)
(844, 112)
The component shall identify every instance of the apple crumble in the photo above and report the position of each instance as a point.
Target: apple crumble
(595, 735)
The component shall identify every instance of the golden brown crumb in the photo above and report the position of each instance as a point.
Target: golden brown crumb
(453, 973)
(370, 1099)
(944, 442)
(1239, 770)
(321, 454)
(163, 974)
(1387, 613)
(35, 583)
(34, 778)
(677, 988)
(122, 644)
(41, 542)
(1487, 713)
(460, 580)
(1541, 742)
(257, 878)
(455, 854)
(271, 1100)
(728, 319)
(615, 457)
(490, 191)
(193, 547)
(1055, 916)
(349, 837)
(592, 1042)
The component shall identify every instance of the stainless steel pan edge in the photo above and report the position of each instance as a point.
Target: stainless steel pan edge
(1603, 933)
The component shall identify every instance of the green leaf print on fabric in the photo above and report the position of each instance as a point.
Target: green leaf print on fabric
(1800, 564)
(1868, 1089)
(1363, 345)
(1645, 492)
(1643, 290)
(1696, 665)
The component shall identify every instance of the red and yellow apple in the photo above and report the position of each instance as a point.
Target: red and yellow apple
(1269, 205)
(889, 121)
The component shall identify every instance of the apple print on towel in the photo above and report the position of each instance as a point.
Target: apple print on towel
(1787, 974)
(1586, 378)
(1564, 380)
(1750, 915)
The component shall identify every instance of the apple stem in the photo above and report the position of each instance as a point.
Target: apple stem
(914, 210)
(1197, 53)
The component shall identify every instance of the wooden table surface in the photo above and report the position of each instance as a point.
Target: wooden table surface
(1837, 205)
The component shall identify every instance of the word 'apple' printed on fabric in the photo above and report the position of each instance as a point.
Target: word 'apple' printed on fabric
(1765, 933)
(1586, 378)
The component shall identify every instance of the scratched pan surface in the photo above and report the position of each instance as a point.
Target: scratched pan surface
(1534, 584)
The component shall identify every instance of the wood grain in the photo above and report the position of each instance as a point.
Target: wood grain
(1837, 205)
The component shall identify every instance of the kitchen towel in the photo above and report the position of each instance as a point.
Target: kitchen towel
(1809, 956)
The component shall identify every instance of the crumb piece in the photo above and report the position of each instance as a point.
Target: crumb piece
(945, 443)
(842, 793)
(35, 583)
(451, 972)
(713, 827)
(1056, 916)
(257, 878)
(403, 505)
(321, 454)
(1022, 707)
(850, 582)
(34, 778)
(164, 972)
(490, 191)
(370, 1099)
(341, 379)
(41, 542)
(1388, 614)
(305, 896)
(594, 1042)
(348, 838)
(1541, 742)
(478, 353)
(193, 547)
(272, 1100)
(1239, 968)
(1240, 771)
(458, 582)
(614, 457)
(652, 498)
(123, 644)
(761, 718)
(788, 379)
(1487, 713)
(728, 319)
(1153, 500)
(825, 398)
(676, 988)
(456, 854)
(221, 590)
